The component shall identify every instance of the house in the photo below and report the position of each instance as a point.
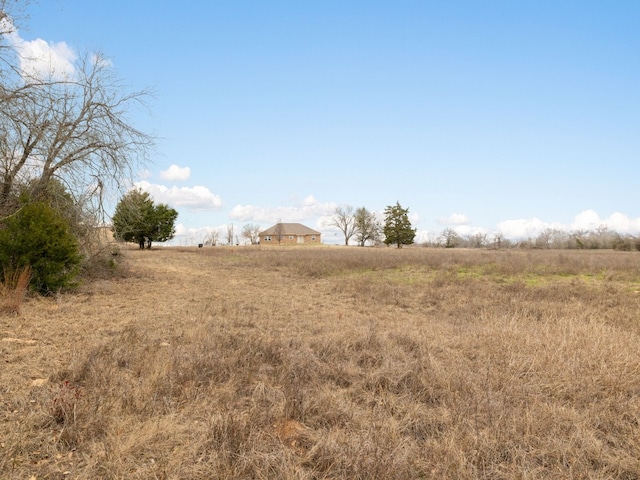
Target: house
(288, 234)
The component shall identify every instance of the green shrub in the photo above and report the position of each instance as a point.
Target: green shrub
(37, 235)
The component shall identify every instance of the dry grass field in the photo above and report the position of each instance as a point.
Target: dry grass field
(329, 363)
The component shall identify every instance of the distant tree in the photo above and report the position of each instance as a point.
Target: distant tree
(211, 238)
(578, 239)
(397, 227)
(477, 240)
(626, 242)
(230, 234)
(552, 238)
(603, 237)
(131, 217)
(368, 227)
(376, 235)
(137, 219)
(279, 231)
(450, 238)
(164, 220)
(251, 232)
(499, 240)
(344, 219)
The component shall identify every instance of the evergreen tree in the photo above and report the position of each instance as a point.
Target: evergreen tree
(38, 236)
(164, 220)
(137, 219)
(397, 227)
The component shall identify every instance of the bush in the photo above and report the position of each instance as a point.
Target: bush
(38, 236)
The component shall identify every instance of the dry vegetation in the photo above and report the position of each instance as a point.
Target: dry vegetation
(13, 289)
(331, 362)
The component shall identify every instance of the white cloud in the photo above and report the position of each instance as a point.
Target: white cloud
(185, 236)
(588, 220)
(423, 236)
(310, 200)
(176, 174)
(144, 174)
(466, 230)
(195, 198)
(454, 219)
(618, 222)
(308, 209)
(623, 224)
(524, 228)
(40, 59)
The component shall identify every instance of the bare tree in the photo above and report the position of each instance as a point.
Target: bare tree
(76, 131)
(376, 232)
(230, 234)
(279, 231)
(368, 227)
(212, 238)
(344, 219)
(11, 11)
(499, 240)
(476, 240)
(251, 232)
(551, 238)
(450, 238)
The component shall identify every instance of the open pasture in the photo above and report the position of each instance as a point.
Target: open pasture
(328, 363)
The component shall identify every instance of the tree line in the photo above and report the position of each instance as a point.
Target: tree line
(393, 228)
(550, 238)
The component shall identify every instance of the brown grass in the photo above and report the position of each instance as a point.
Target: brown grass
(13, 289)
(327, 363)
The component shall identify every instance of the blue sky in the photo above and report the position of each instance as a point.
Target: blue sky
(484, 116)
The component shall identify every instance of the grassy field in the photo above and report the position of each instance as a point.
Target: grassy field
(328, 363)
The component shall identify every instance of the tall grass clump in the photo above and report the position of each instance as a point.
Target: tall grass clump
(14, 288)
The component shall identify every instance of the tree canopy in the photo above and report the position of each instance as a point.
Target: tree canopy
(343, 218)
(367, 226)
(137, 219)
(397, 227)
(251, 232)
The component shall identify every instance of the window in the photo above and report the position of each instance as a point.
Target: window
(290, 237)
(313, 238)
(267, 238)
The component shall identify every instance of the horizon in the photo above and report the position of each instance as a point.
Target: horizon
(484, 118)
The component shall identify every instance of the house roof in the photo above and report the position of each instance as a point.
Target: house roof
(289, 229)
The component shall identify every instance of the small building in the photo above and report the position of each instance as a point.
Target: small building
(289, 234)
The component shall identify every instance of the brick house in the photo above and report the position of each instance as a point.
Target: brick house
(289, 234)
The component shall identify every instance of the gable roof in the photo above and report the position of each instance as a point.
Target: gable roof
(289, 229)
